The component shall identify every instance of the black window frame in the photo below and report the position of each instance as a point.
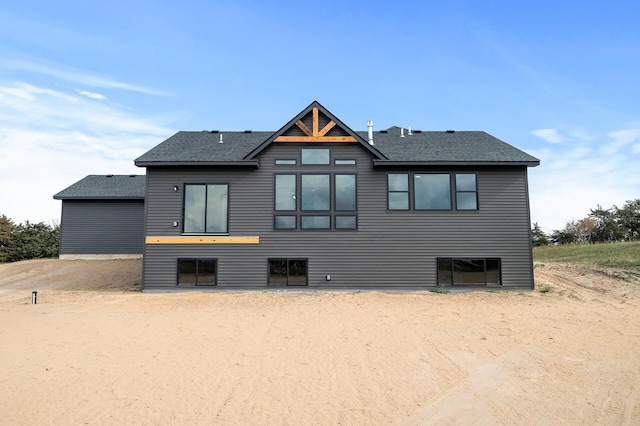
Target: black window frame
(300, 213)
(335, 220)
(335, 192)
(407, 192)
(288, 260)
(197, 260)
(184, 208)
(296, 195)
(345, 162)
(440, 281)
(300, 193)
(453, 191)
(302, 163)
(456, 191)
(285, 162)
(414, 198)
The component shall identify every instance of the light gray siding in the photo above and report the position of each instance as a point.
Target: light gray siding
(102, 227)
(389, 249)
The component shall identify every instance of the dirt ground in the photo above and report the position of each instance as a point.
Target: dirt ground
(95, 350)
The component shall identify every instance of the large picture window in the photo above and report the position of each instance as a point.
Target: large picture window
(315, 193)
(469, 272)
(432, 191)
(290, 272)
(321, 197)
(197, 272)
(206, 208)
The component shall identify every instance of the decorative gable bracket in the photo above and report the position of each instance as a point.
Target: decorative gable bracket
(315, 134)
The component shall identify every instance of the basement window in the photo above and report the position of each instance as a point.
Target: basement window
(469, 271)
(197, 272)
(288, 272)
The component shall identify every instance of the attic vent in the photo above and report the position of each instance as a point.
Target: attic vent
(109, 175)
(215, 131)
(451, 131)
(248, 131)
(132, 175)
(417, 131)
(383, 131)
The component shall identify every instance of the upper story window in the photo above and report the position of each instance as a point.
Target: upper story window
(308, 201)
(206, 208)
(432, 191)
(344, 162)
(466, 191)
(286, 162)
(398, 191)
(315, 192)
(315, 156)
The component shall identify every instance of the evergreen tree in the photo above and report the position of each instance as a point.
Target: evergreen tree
(538, 237)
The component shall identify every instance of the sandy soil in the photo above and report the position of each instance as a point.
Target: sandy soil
(95, 350)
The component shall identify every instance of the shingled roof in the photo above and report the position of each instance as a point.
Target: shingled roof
(446, 147)
(232, 148)
(426, 147)
(125, 187)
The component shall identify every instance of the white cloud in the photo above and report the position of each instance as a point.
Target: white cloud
(620, 138)
(549, 135)
(50, 139)
(76, 76)
(92, 95)
(572, 180)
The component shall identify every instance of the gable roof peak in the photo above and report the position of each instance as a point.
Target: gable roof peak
(315, 124)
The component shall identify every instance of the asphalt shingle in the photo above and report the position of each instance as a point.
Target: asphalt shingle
(124, 187)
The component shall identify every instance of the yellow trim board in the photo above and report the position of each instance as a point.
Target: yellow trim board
(202, 240)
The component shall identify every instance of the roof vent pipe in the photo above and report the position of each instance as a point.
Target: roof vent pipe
(220, 141)
(401, 132)
(409, 131)
(370, 129)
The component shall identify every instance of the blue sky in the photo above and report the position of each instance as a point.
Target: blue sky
(86, 87)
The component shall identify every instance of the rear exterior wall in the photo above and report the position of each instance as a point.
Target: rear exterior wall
(390, 249)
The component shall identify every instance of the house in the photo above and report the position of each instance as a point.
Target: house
(103, 217)
(317, 204)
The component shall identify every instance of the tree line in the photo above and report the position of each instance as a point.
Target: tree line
(27, 240)
(599, 226)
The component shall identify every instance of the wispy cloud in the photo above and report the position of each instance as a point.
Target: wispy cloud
(549, 135)
(79, 77)
(576, 176)
(50, 138)
(92, 95)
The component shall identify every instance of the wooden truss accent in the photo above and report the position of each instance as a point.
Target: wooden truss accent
(315, 134)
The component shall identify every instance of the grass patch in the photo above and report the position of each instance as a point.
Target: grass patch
(544, 289)
(612, 255)
(439, 290)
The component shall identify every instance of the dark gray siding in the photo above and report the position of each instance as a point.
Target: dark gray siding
(390, 248)
(102, 227)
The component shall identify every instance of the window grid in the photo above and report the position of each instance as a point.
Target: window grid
(447, 191)
(313, 201)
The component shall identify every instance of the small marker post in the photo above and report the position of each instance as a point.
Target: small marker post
(34, 297)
